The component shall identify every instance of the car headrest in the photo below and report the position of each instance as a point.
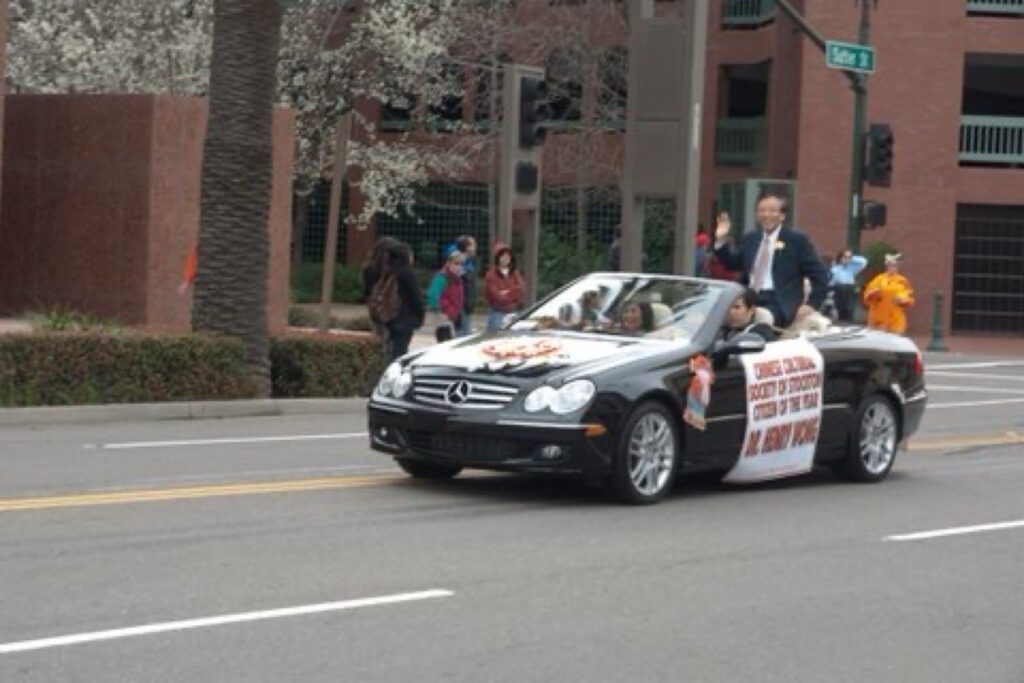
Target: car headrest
(662, 314)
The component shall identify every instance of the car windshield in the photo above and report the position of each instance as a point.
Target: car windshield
(647, 306)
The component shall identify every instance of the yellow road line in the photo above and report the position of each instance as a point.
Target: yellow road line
(192, 492)
(971, 441)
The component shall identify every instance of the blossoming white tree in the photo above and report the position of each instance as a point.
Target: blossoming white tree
(329, 56)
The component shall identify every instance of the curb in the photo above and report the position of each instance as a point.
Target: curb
(180, 410)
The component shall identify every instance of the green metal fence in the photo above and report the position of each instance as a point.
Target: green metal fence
(747, 13)
(443, 211)
(992, 139)
(995, 7)
(315, 235)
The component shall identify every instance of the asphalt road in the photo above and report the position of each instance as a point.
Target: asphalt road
(282, 549)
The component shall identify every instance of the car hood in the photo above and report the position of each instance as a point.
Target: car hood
(531, 354)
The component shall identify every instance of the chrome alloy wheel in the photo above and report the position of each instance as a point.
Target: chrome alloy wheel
(652, 454)
(878, 434)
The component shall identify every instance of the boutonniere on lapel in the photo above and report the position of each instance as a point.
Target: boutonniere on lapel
(779, 245)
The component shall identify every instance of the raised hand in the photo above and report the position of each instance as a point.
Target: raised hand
(723, 226)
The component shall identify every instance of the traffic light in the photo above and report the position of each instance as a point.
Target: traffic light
(878, 169)
(532, 111)
(875, 215)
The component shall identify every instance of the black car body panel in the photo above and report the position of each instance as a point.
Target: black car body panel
(492, 429)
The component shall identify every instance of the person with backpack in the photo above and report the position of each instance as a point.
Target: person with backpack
(374, 268)
(446, 295)
(396, 301)
(503, 288)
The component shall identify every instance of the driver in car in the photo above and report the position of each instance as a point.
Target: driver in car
(740, 318)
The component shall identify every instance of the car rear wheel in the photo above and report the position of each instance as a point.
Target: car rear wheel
(873, 443)
(427, 470)
(646, 462)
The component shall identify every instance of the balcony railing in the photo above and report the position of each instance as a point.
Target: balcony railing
(742, 13)
(740, 142)
(1013, 7)
(992, 139)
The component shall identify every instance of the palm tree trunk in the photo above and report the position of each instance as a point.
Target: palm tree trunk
(234, 245)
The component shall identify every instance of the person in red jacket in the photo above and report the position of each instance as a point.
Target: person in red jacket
(446, 294)
(504, 288)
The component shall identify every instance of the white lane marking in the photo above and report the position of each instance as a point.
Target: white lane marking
(975, 375)
(150, 629)
(225, 441)
(976, 390)
(988, 364)
(975, 404)
(956, 531)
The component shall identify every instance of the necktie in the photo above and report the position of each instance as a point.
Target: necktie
(761, 265)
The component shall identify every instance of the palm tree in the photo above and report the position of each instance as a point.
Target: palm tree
(234, 245)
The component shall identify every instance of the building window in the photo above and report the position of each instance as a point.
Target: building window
(564, 68)
(741, 129)
(613, 77)
(988, 272)
(445, 112)
(992, 125)
(396, 113)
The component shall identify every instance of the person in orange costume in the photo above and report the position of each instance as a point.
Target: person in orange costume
(887, 297)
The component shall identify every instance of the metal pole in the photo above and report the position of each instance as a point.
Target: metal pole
(936, 343)
(531, 249)
(689, 196)
(860, 115)
(342, 134)
(631, 240)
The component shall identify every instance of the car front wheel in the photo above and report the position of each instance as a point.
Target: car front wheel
(646, 462)
(427, 470)
(873, 443)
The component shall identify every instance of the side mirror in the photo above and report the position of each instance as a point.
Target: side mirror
(744, 342)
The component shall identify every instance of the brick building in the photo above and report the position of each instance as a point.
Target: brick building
(949, 81)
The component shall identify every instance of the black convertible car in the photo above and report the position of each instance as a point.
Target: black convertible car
(626, 379)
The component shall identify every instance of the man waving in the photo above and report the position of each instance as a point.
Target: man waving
(775, 261)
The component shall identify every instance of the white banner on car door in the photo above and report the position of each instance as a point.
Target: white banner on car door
(784, 395)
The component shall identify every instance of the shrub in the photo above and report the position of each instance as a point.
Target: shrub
(560, 262)
(307, 279)
(95, 367)
(64, 320)
(325, 365)
(83, 368)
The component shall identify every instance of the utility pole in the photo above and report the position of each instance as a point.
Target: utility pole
(860, 116)
(858, 83)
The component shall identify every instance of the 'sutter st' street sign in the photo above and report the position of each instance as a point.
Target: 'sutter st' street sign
(849, 56)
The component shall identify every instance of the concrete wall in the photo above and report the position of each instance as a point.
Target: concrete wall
(101, 205)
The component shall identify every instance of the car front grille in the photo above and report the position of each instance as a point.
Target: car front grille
(473, 394)
(461, 447)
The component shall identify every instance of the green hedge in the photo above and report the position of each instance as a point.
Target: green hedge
(324, 365)
(92, 368)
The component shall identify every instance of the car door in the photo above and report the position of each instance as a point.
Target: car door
(718, 445)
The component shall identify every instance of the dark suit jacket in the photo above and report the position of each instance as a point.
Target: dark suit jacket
(794, 260)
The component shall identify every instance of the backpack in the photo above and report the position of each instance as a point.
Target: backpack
(384, 302)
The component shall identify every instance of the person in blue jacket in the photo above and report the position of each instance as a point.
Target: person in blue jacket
(844, 282)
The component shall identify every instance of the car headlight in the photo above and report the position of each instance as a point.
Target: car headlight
(567, 399)
(573, 396)
(389, 383)
(400, 387)
(539, 399)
